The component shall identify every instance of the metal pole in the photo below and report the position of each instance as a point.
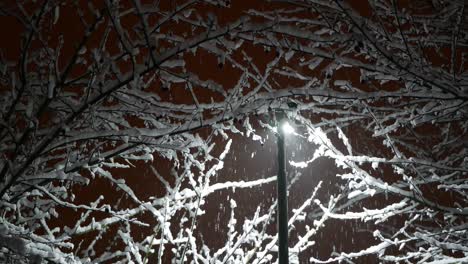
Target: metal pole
(283, 253)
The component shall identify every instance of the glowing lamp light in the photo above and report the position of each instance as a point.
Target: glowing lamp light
(287, 128)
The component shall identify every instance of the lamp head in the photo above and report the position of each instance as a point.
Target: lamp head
(286, 128)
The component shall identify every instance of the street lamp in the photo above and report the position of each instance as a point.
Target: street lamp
(283, 128)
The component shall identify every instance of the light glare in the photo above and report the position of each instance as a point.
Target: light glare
(287, 128)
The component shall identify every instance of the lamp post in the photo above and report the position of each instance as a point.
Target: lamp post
(283, 254)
